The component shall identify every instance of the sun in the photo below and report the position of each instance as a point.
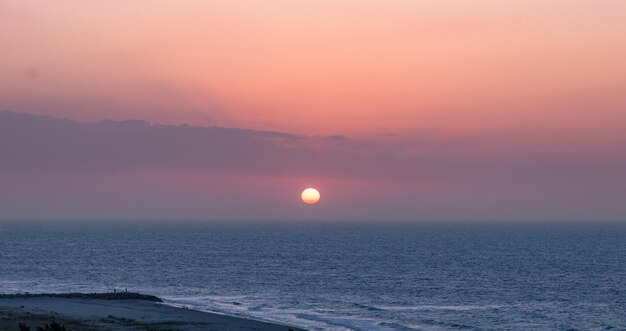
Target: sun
(310, 196)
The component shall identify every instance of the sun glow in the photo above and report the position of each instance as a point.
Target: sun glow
(310, 196)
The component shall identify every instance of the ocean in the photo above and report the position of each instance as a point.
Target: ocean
(340, 276)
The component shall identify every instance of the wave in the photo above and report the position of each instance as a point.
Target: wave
(438, 307)
(260, 309)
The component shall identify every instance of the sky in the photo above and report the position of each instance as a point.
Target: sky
(393, 109)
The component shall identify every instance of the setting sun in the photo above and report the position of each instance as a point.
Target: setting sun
(310, 196)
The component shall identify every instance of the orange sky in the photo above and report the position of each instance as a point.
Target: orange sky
(320, 67)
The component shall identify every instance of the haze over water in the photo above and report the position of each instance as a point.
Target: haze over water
(325, 276)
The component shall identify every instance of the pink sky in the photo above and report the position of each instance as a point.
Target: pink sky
(524, 102)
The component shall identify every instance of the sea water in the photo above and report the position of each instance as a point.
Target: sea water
(340, 276)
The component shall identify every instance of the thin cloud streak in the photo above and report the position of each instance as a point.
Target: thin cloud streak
(47, 144)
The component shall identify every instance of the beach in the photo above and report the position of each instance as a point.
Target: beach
(80, 314)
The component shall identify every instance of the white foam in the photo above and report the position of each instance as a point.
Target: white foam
(257, 308)
(438, 307)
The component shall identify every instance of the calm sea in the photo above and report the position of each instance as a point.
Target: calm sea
(426, 276)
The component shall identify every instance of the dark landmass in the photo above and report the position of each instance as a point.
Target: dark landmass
(98, 296)
(113, 311)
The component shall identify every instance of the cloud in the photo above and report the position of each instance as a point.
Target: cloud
(49, 165)
(41, 143)
(48, 144)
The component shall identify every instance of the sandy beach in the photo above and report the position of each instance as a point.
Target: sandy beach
(96, 314)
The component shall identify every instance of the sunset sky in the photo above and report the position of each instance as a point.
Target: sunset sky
(400, 109)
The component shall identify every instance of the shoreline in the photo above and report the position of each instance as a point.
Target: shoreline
(116, 311)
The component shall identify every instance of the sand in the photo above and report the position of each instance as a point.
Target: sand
(93, 314)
